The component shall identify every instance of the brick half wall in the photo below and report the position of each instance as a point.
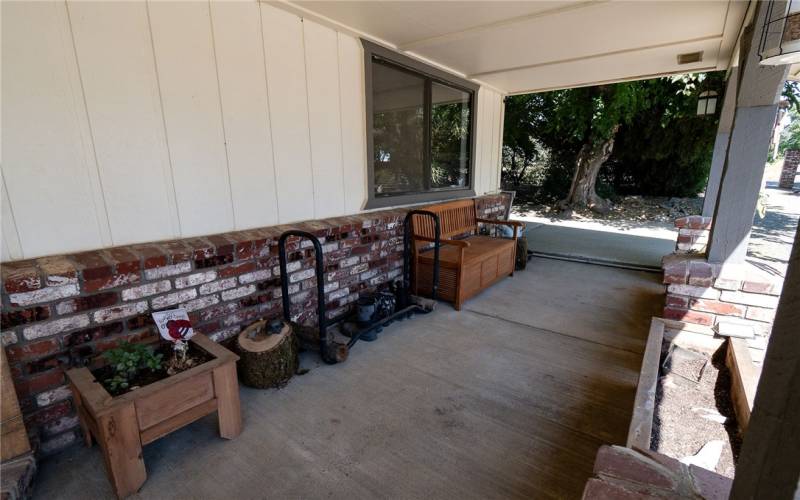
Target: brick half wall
(59, 311)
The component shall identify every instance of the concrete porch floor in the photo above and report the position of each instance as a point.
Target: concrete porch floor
(510, 397)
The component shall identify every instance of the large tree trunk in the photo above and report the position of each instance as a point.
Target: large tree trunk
(582, 191)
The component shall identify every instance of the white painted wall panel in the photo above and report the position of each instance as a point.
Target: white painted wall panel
(353, 126)
(48, 163)
(131, 122)
(188, 79)
(286, 81)
(115, 57)
(324, 119)
(243, 90)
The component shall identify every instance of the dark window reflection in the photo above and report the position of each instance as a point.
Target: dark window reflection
(398, 128)
(421, 132)
(449, 137)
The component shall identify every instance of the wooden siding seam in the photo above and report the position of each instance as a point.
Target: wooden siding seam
(221, 114)
(176, 219)
(341, 124)
(269, 112)
(95, 179)
(11, 238)
(308, 119)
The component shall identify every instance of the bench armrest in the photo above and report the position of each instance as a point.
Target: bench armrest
(458, 243)
(513, 223)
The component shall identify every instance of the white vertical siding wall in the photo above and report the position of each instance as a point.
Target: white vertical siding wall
(128, 122)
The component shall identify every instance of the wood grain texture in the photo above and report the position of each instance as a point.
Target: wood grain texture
(14, 441)
(226, 387)
(119, 437)
(173, 399)
(644, 404)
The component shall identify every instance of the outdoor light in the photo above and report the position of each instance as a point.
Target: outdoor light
(780, 39)
(707, 103)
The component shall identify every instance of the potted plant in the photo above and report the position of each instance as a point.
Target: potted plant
(139, 393)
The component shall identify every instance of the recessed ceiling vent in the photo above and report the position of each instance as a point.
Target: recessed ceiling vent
(690, 57)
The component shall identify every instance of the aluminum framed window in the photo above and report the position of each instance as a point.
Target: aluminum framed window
(421, 125)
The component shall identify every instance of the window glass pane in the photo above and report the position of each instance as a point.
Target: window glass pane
(398, 125)
(450, 119)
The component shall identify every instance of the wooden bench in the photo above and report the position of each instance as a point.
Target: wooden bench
(467, 265)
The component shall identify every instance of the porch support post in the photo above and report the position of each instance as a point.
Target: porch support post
(769, 463)
(754, 117)
(721, 142)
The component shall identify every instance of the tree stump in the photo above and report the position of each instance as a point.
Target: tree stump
(266, 360)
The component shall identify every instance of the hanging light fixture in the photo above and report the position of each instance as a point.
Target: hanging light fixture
(707, 103)
(780, 38)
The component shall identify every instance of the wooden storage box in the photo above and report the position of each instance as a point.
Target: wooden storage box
(122, 424)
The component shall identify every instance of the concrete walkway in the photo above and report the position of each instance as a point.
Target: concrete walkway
(509, 398)
(772, 237)
(642, 244)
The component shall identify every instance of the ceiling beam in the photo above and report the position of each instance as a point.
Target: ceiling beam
(594, 56)
(456, 35)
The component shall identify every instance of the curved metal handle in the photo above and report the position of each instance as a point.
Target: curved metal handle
(407, 253)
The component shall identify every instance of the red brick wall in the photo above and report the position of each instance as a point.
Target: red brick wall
(789, 169)
(57, 311)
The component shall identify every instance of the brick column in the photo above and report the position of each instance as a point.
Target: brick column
(789, 169)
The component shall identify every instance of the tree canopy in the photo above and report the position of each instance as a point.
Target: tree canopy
(662, 146)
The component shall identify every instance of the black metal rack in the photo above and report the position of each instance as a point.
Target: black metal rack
(330, 350)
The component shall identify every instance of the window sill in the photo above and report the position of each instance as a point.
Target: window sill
(411, 199)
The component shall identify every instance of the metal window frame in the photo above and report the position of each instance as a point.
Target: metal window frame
(431, 74)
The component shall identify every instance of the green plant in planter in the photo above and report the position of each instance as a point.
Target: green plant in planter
(127, 361)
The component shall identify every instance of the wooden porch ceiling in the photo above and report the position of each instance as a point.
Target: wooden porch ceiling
(520, 47)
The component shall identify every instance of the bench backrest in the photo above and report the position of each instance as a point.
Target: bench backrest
(455, 218)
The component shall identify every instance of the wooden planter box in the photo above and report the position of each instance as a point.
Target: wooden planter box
(122, 424)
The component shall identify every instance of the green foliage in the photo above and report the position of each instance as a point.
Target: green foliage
(127, 360)
(790, 136)
(661, 148)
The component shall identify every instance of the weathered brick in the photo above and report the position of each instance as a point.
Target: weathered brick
(47, 294)
(109, 282)
(32, 350)
(201, 303)
(8, 338)
(91, 334)
(236, 269)
(61, 425)
(87, 303)
(261, 275)
(764, 287)
(301, 275)
(716, 307)
(93, 265)
(694, 291)
(689, 316)
(146, 290)
(54, 327)
(238, 292)
(195, 279)
(118, 312)
(225, 334)
(217, 286)
(171, 299)
(166, 271)
(760, 314)
(51, 396)
(727, 284)
(750, 299)
(21, 279)
(15, 318)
